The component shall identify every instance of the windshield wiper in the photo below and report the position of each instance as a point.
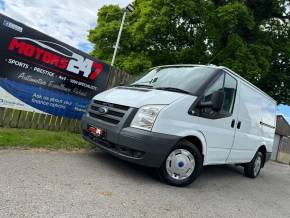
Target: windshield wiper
(172, 89)
(141, 86)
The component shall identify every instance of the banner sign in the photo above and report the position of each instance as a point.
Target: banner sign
(39, 73)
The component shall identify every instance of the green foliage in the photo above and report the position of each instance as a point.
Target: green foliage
(250, 37)
(235, 18)
(134, 62)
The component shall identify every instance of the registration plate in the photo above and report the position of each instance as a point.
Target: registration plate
(96, 131)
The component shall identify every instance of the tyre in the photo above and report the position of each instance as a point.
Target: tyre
(182, 165)
(253, 168)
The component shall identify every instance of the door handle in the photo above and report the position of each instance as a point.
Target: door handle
(239, 124)
(233, 123)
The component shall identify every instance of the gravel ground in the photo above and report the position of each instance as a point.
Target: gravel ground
(80, 184)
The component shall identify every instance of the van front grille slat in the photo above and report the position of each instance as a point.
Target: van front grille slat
(111, 109)
(106, 119)
(94, 109)
(114, 112)
(105, 115)
(121, 107)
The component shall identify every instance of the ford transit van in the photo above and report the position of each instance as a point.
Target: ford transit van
(180, 118)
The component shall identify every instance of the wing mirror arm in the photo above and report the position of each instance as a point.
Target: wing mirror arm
(205, 104)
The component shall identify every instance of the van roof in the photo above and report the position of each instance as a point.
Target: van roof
(222, 68)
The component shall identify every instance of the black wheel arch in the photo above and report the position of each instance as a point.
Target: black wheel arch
(263, 150)
(195, 141)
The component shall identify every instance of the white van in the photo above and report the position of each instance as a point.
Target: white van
(180, 118)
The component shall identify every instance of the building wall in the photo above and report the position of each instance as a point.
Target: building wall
(275, 147)
(284, 150)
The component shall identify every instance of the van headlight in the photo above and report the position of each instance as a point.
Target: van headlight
(146, 116)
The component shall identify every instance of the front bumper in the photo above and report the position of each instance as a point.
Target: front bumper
(131, 144)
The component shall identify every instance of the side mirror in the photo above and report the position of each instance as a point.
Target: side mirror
(216, 102)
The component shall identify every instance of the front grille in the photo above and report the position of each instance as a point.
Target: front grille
(114, 114)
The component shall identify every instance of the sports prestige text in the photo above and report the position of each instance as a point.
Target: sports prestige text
(76, 64)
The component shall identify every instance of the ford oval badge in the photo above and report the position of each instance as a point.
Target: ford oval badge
(102, 110)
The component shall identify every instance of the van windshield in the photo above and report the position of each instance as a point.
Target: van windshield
(178, 79)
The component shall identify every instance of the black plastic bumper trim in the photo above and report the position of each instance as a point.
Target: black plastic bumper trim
(132, 144)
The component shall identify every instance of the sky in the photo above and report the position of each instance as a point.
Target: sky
(285, 111)
(65, 20)
(68, 21)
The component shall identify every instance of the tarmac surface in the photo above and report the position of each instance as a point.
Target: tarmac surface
(36, 183)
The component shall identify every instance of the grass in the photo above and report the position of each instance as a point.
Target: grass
(31, 138)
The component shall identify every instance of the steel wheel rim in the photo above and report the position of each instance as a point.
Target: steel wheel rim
(257, 165)
(180, 164)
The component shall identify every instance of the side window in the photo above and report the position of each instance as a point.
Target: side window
(230, 89)
(228, 84)
(217, 85)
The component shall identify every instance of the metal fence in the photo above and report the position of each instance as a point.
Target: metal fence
(11, 118)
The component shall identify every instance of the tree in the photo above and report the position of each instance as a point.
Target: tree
(249, 36)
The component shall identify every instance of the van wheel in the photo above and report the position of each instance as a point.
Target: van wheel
(253, 168)
(182, 165)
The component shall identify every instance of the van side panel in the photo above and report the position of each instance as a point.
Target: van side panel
(216, 133)
(255, 108)
(268, 123)
(175, 120)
